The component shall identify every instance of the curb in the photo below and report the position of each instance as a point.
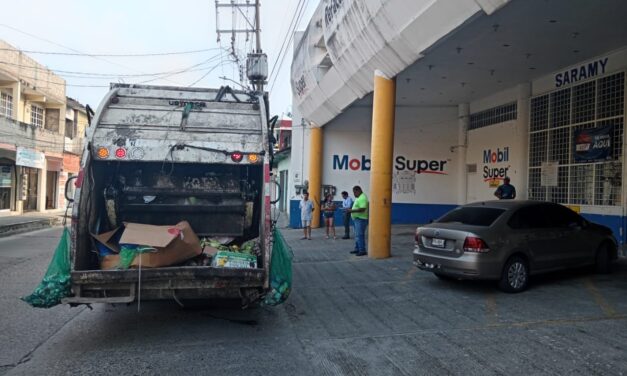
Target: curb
(29, 226)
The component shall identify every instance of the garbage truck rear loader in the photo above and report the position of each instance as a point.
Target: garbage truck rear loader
(172, 156)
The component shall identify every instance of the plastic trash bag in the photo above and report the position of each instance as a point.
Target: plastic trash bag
(280, 271)
(129, 252)
(56, 282)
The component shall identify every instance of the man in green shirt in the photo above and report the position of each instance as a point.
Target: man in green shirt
(359, 213)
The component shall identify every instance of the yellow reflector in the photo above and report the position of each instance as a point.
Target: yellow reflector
(253, 158)
(103, 152)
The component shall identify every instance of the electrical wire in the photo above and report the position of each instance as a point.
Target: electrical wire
(86, 54)
(300, 16)
(287, 34)
(78, 74)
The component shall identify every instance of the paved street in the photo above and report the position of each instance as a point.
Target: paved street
(346, 316)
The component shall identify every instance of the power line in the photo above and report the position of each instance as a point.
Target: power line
(68, 48)
(78, 74)
(85, 54)
(300, 16)
(285, 38)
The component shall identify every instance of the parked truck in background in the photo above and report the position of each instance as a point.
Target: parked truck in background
(160, 155)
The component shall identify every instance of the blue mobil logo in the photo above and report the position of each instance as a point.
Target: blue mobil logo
(492, 157)
(420, 166)
(581, 73)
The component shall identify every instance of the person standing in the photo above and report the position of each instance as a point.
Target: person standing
(306, 210)
(359, 213)
(506, 191)
(347, 203)
(328, 211)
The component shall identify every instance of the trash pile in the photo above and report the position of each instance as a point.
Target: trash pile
(138, 245)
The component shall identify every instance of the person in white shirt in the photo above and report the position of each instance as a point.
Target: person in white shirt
(347, 203)
(306, 210)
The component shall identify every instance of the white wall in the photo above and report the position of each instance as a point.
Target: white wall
(421, 134)
(501, 139)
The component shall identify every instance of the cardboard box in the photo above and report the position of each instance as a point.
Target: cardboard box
(174, 244)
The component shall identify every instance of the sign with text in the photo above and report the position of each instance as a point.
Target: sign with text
(29, 158)
(593, 144)
(549, 174)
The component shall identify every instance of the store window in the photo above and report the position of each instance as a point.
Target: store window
(36, 115)
(6, 104)
(579, 130)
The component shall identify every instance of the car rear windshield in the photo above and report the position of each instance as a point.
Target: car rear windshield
(474, 216)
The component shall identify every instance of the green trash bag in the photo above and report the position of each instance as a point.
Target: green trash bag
(56, 282)
(280, 271)
(128, 252)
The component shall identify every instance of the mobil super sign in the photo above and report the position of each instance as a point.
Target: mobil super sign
(492, 157)
(421, 166)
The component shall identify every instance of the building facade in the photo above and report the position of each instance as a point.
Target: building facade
(34, 148)
(532, 90)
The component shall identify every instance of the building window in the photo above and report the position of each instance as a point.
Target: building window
(6, 105)
(556, 119)
(494, 115)
(36, 115)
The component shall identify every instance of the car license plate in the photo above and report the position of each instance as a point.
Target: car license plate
(437, 242)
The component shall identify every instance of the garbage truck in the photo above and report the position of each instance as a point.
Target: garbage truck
(168, 168)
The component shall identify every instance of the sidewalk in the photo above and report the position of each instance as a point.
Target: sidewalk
(17, 224)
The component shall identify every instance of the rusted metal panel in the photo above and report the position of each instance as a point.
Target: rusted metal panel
(198, 273)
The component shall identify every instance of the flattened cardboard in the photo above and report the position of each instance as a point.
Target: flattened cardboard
(174, 245)
(105, 237)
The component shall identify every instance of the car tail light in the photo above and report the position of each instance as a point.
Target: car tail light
(474, 244)
(418, 237)
(237, 157)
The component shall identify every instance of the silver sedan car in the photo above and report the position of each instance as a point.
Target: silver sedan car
(509, 240)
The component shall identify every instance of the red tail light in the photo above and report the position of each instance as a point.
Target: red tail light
(79, 180)
(473, 244)
(418, 237)
(237, 157)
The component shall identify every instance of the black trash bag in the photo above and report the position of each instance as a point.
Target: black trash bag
(56, 282)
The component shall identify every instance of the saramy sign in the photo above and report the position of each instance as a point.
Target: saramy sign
(420, 166)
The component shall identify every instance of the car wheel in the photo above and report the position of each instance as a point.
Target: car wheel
(443, 277)
(603, 259)
(515, 275)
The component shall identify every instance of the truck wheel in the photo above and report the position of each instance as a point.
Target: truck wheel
(603, 259)
(515, 275)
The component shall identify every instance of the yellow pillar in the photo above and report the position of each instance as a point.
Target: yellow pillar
(315, 173)
(381, 154)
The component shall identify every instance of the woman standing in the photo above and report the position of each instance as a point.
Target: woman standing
(328, 210)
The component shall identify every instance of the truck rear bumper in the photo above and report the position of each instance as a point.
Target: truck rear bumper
(126, 286)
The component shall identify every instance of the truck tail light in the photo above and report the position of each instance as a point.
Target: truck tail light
(237, 157)
(120, 153)
(103, 152)
(79, 180)
(474, 244)
(253, 158)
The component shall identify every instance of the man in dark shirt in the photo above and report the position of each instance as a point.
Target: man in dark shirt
(505, 191)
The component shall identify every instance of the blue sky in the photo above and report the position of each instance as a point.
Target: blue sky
(127, 27)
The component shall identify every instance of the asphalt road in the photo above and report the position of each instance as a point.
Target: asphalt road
(346, 316)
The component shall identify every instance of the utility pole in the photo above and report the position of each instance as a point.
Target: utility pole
(257, 61)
